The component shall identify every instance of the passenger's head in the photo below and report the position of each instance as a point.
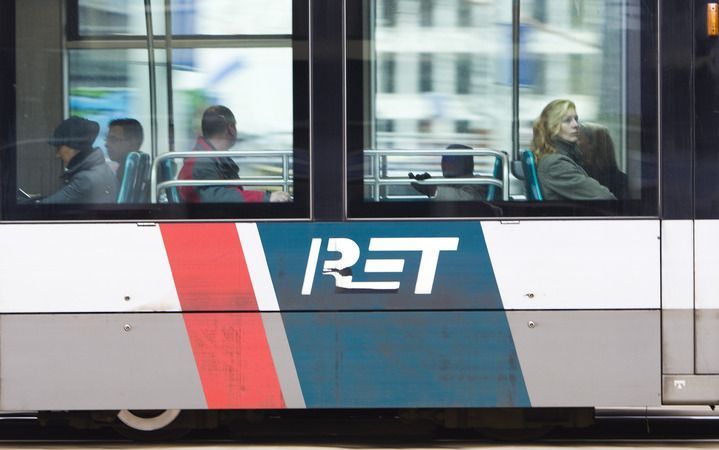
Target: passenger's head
(123, 137)
(458, 166)
(558, 120)
(219, 127)
(597, 147)
(73, 136)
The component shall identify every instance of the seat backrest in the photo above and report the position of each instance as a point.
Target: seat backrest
(141, 192)
(492, 190)
(167, 173)
(531, 180)
(129, 178)
(597, 147)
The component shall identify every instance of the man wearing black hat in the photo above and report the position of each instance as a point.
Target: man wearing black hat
(87, 177)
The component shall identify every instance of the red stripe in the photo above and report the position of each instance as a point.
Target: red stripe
(231, 350)
(209, 267)
(234, 362)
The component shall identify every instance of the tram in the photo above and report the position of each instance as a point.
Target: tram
(363, 291)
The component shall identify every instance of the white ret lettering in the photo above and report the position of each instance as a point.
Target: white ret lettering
(340, 269)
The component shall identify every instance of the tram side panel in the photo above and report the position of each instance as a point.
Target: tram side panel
(268, 316)
(691, 373)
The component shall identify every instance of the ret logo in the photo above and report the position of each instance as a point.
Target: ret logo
(341, 269)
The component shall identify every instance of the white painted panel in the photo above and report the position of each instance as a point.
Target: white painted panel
(257, 266)
(577, 264)
(678, 264)
(706, 259)
(84, 268)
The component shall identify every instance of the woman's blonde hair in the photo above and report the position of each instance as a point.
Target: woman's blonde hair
(547, 126)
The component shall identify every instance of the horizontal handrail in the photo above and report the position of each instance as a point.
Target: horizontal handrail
(156, 188)
(441, 152)
(481, 180)
(243, 182)
(377, 180)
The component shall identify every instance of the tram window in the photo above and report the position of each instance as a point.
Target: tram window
(596, 54)
(112, 83)
(247, 56)
(189, 17)
(112, 18)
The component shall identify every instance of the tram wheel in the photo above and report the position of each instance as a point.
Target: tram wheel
(151, 425)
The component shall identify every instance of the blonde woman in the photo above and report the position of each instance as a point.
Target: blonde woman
(559, 160)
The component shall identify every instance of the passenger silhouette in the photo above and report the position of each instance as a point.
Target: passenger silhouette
(124, 137)
(559, 158)
(219, 133)
(87, 177)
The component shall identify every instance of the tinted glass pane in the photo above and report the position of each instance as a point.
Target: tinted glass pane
(189, 17)
(450, 87)
(234, 16)
(583, 52)
(238, 106)
(107, 84)
(113, 18)
(255, 83)
(453, 110)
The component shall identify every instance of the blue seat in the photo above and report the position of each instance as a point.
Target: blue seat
(531, 180)
(167, 173)
(492, 190)
(141, 192)
(129, 178)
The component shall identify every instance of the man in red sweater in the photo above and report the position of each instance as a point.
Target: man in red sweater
(219, 133)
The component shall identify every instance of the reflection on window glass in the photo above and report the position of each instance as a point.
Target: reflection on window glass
(581, 49)
(464, 13)
(189, 17)
(107, 84)
(445, 82)
(240, 16)
(109, 17)
(256, 84)
(119, 121)
(426, 11)
(449, 81)
(389, 13)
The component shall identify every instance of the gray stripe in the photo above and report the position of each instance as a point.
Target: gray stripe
(678, 341)
(93, 361)
(706, 334)
(589, 358)
(282, 357)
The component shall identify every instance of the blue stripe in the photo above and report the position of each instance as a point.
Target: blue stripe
(405, 359)
(451, 348)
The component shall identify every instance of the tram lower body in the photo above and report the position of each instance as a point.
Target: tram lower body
(289, 316)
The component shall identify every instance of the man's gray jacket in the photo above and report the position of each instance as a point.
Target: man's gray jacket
(88, 179)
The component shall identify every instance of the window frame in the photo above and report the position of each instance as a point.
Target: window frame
(359, 85)
(7, 97)
(298, 41)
